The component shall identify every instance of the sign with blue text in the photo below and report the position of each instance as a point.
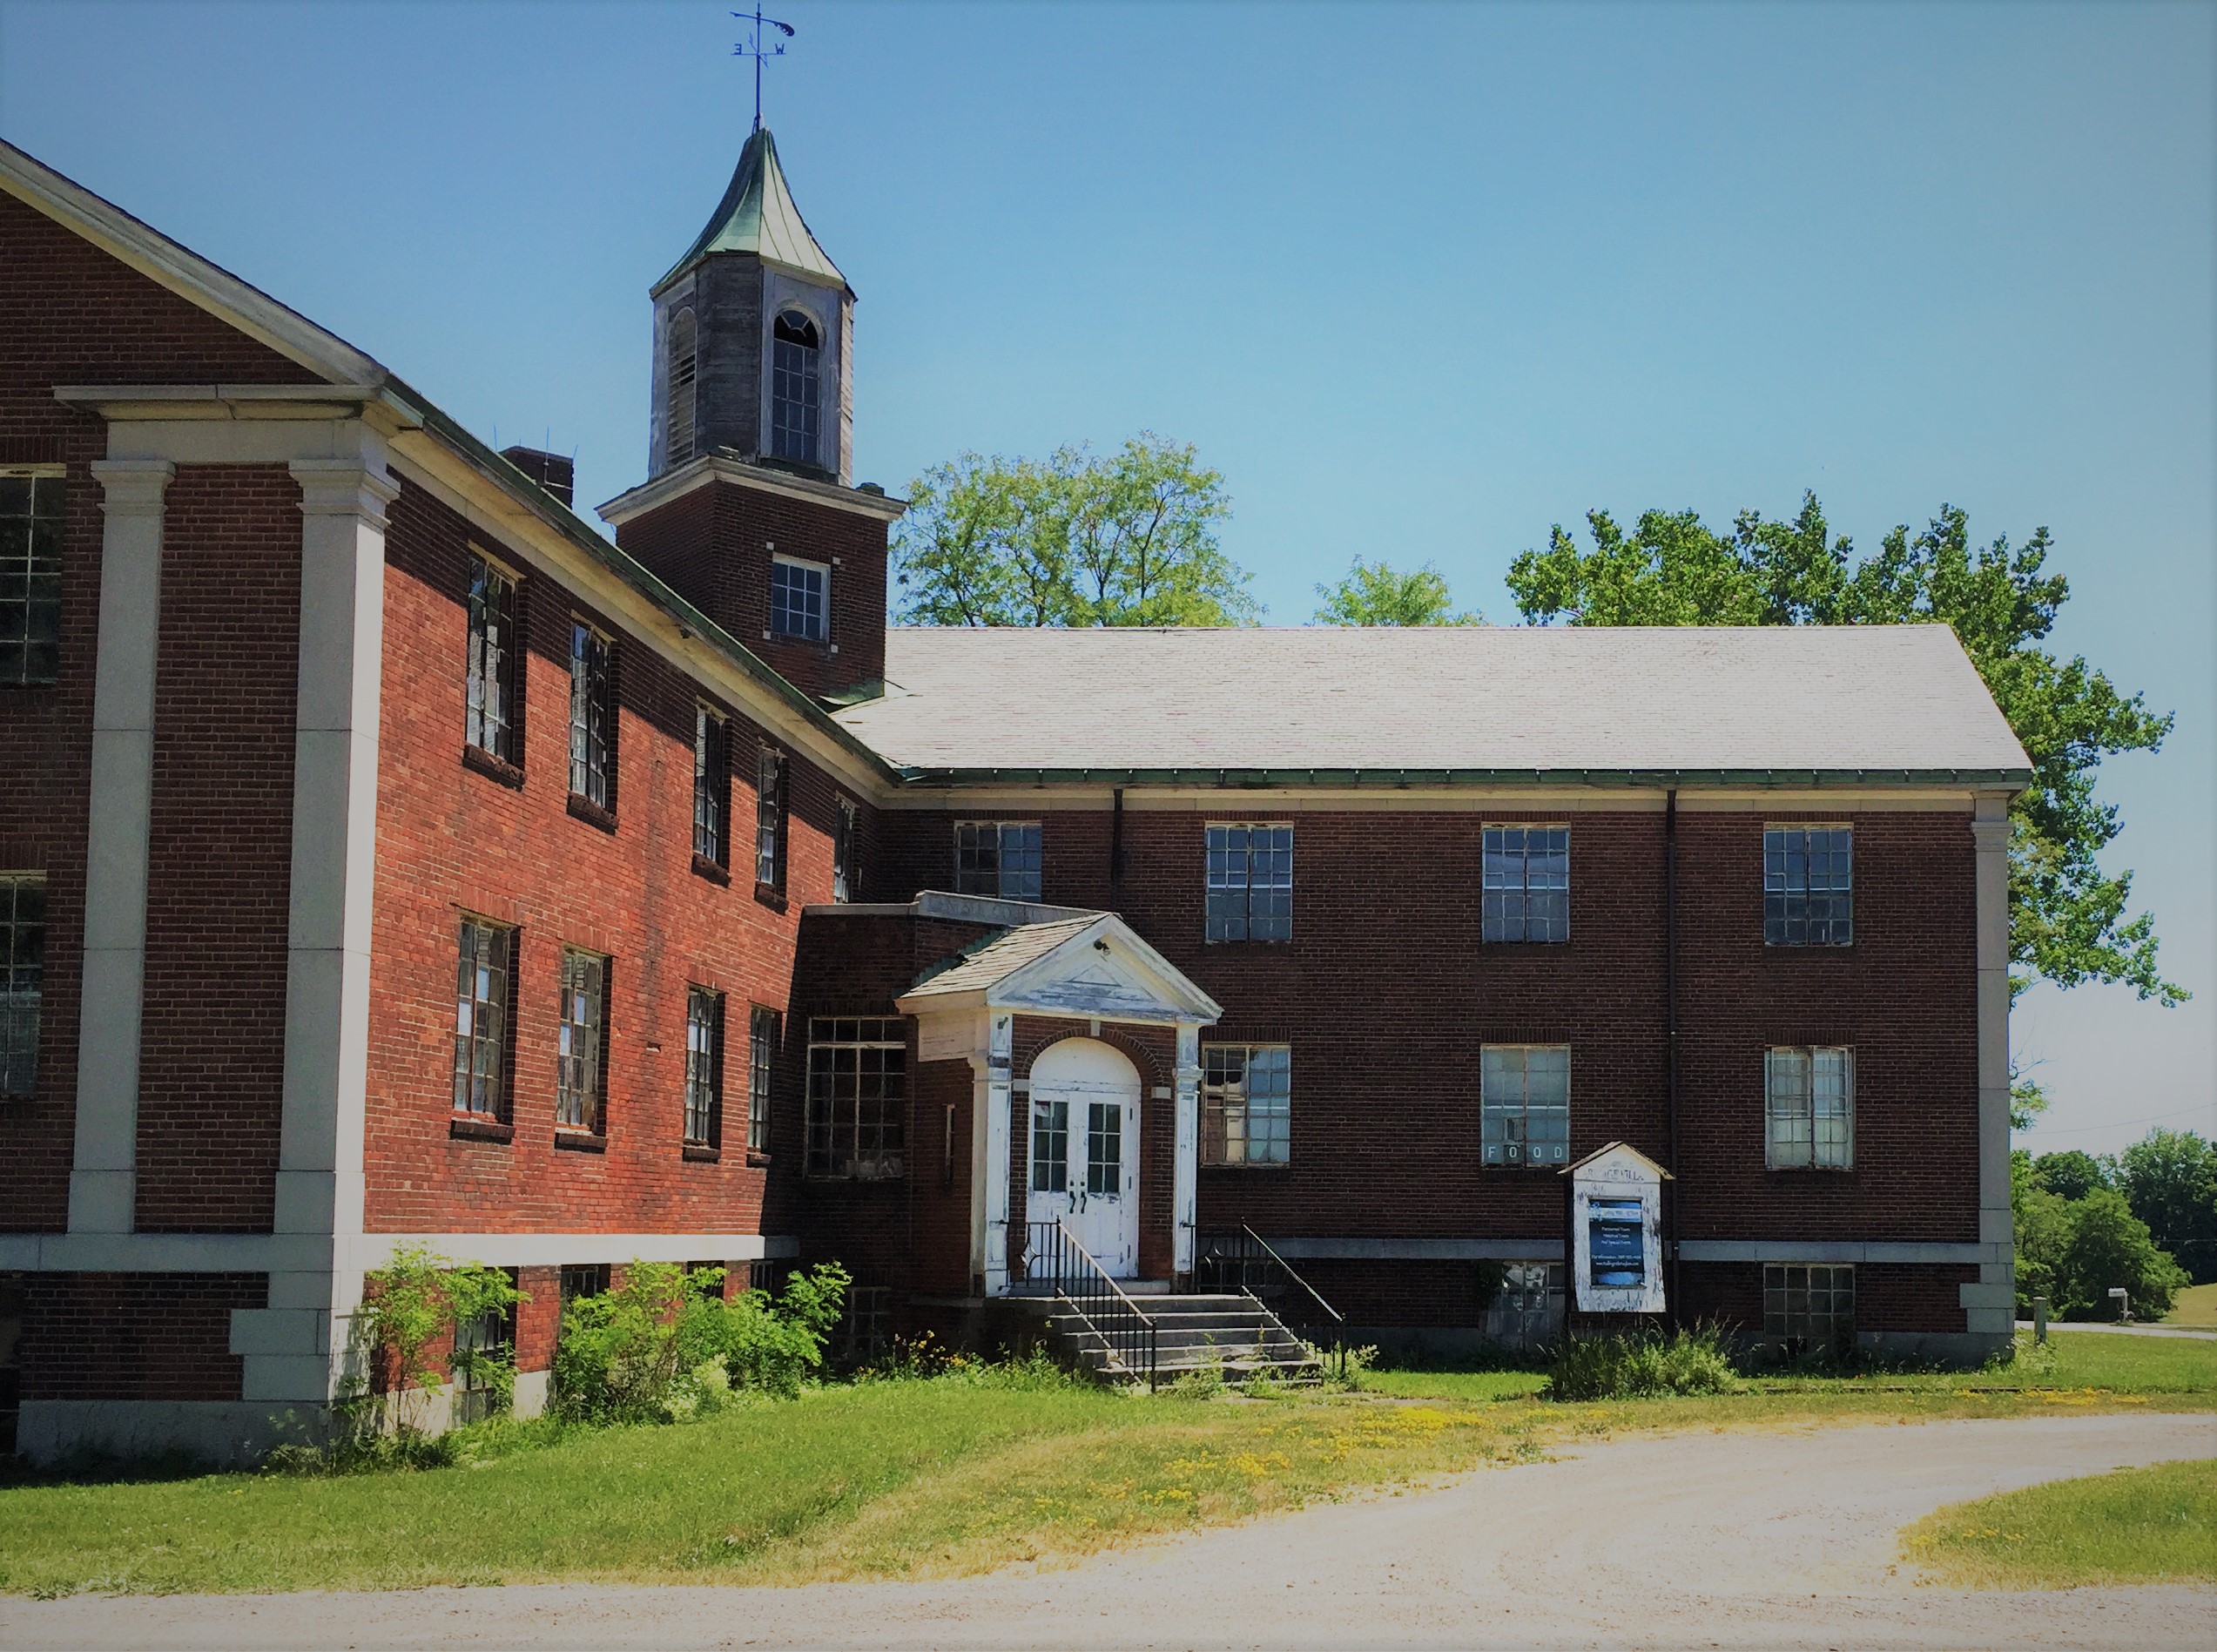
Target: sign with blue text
(1617, 1231)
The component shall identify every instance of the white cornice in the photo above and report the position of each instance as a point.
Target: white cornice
(715, 467)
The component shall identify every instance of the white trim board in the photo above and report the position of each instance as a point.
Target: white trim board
(317, 1252)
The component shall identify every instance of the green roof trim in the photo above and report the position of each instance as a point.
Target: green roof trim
(1645, 779)
(757, 215)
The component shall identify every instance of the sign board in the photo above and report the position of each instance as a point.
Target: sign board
(1617, 1231)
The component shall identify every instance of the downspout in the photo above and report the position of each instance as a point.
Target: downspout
(1674, 1193)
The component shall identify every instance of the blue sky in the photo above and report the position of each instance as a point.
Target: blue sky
(1421, 281)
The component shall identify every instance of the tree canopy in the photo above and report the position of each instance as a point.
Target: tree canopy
(1375, 594)
(1126, 539)
(2068, 919)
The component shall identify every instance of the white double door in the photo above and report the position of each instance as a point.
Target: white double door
(1085, 1150)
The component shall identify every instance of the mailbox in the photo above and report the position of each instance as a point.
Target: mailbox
(1615, 1239)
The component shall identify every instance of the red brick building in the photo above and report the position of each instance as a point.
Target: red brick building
(387, 856)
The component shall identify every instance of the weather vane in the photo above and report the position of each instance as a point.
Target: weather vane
(755, 49)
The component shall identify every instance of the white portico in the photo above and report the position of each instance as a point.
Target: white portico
(1084, 1042)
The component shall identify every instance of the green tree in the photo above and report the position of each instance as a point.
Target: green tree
(1375, 594)
(2041, 1221)
(2070, 1174)
(2107, 1245)
(2169, 1178)
(2068, 919)
(1127, 538)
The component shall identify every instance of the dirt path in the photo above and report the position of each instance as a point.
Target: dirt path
(1718, 1539)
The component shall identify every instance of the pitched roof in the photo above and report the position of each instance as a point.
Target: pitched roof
(1001, 955)
(757, 215)
(1474, 702)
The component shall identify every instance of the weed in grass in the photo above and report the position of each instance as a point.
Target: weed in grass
(1641, 1366)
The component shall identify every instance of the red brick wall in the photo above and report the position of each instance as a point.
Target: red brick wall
(212, 1065)
(134, 1336)
(451, 839)
(71, 314)
(1889, 1295)
(713, 547)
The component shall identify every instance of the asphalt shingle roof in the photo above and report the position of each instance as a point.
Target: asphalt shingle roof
(1004, 955)
(1903, 699)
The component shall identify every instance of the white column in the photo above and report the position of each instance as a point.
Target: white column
(103, 1169)
(1185, 1204)
(320, 1183)
(1990, 1306)
(997, 1093)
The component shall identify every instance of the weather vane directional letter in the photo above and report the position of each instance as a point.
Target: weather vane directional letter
(755, 49)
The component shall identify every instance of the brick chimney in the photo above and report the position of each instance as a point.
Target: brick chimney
(555, 472)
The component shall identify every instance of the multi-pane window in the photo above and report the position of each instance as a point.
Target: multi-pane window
(762, 1060)
(1104, 1149)
(581, 1050)
(31, 524)
(846, 839)
(770, 820)
(583, 1279)
(685, 370)
(799, 599)
(703, 1067)
(1808, 1109)
(491, 700)
(858, 1097)
(1250, 883)
(795, 348)
(865, 1331)
(1246, 1103)
(1528, 883)
(483, 1345)
(1807, 886)
(1050, 1144)
(480, 1018)
(592, 717)
(711, 784)
(1523, 1093)
(1810, 1309)
(23, 979)
(1526, 1313)
(997, 857)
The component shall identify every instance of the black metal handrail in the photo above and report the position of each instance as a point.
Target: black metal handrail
(1053, 1257)
(1272, 1261)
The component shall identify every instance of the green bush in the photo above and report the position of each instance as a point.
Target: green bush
(1641, 1365)
(665, 1346)
(2108, 1245)
(407, 1305)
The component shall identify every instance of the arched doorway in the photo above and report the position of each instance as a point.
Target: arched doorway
(1084, 1149)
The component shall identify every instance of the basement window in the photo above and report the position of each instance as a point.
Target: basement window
(864, 1334)
(491, 697)
(1246, 1103)
(592, 717)
(1526, 883)
(998, 858)
(1524, 1093)
(483, 1345)
(858, 1097)
(703, 1067)
(23, 979)
(480, 1018)
(581, 1054)
(31, 527)
(1808, 1109)
(1807, 886)
(1809, 1309)
(799, 599)
(1250, 883)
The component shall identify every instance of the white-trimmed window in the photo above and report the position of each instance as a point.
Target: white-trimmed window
(998, 858)
(488, 956)
(795, 391)
(32, 523)
(592, 717)
(799, 599)
(763, 1026)
(1524, 1098)
(684, 372)
(1809, 1308)
(581, 1053)
(703, 1067)
(1808, 1109)
(490, 700)
(23, 977)
(1251, 882)
(711, 786)
(1526, 878)
(1246, 1103)
(1809, 886)
(858, 1097)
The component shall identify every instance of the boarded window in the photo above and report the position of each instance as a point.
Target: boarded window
(1524, 1100)
(858, 1097)
(1528, 883)
(1808, 1109)
(684, 371)
(491, 696)
(480, 1018)
(1807, 886)
(1250, 883)
(998, 858)
(31, 527)
(1246, 1103)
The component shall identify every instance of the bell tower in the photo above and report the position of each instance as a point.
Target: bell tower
(753, 334)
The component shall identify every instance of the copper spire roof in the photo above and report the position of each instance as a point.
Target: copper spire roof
(757, 215)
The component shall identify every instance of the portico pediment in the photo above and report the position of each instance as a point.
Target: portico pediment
(1093, 967)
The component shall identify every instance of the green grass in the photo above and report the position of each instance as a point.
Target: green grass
(2194, 1308)
(1469, 1386)
(2156, 1525)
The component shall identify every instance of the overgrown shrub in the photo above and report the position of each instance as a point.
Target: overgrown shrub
(413, 1301)
(665, 1346)
(1643, 1365)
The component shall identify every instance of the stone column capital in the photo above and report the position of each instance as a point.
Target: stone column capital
(344, 488)
(132, 486)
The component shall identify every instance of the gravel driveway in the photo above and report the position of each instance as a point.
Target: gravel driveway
(1781, 1539)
